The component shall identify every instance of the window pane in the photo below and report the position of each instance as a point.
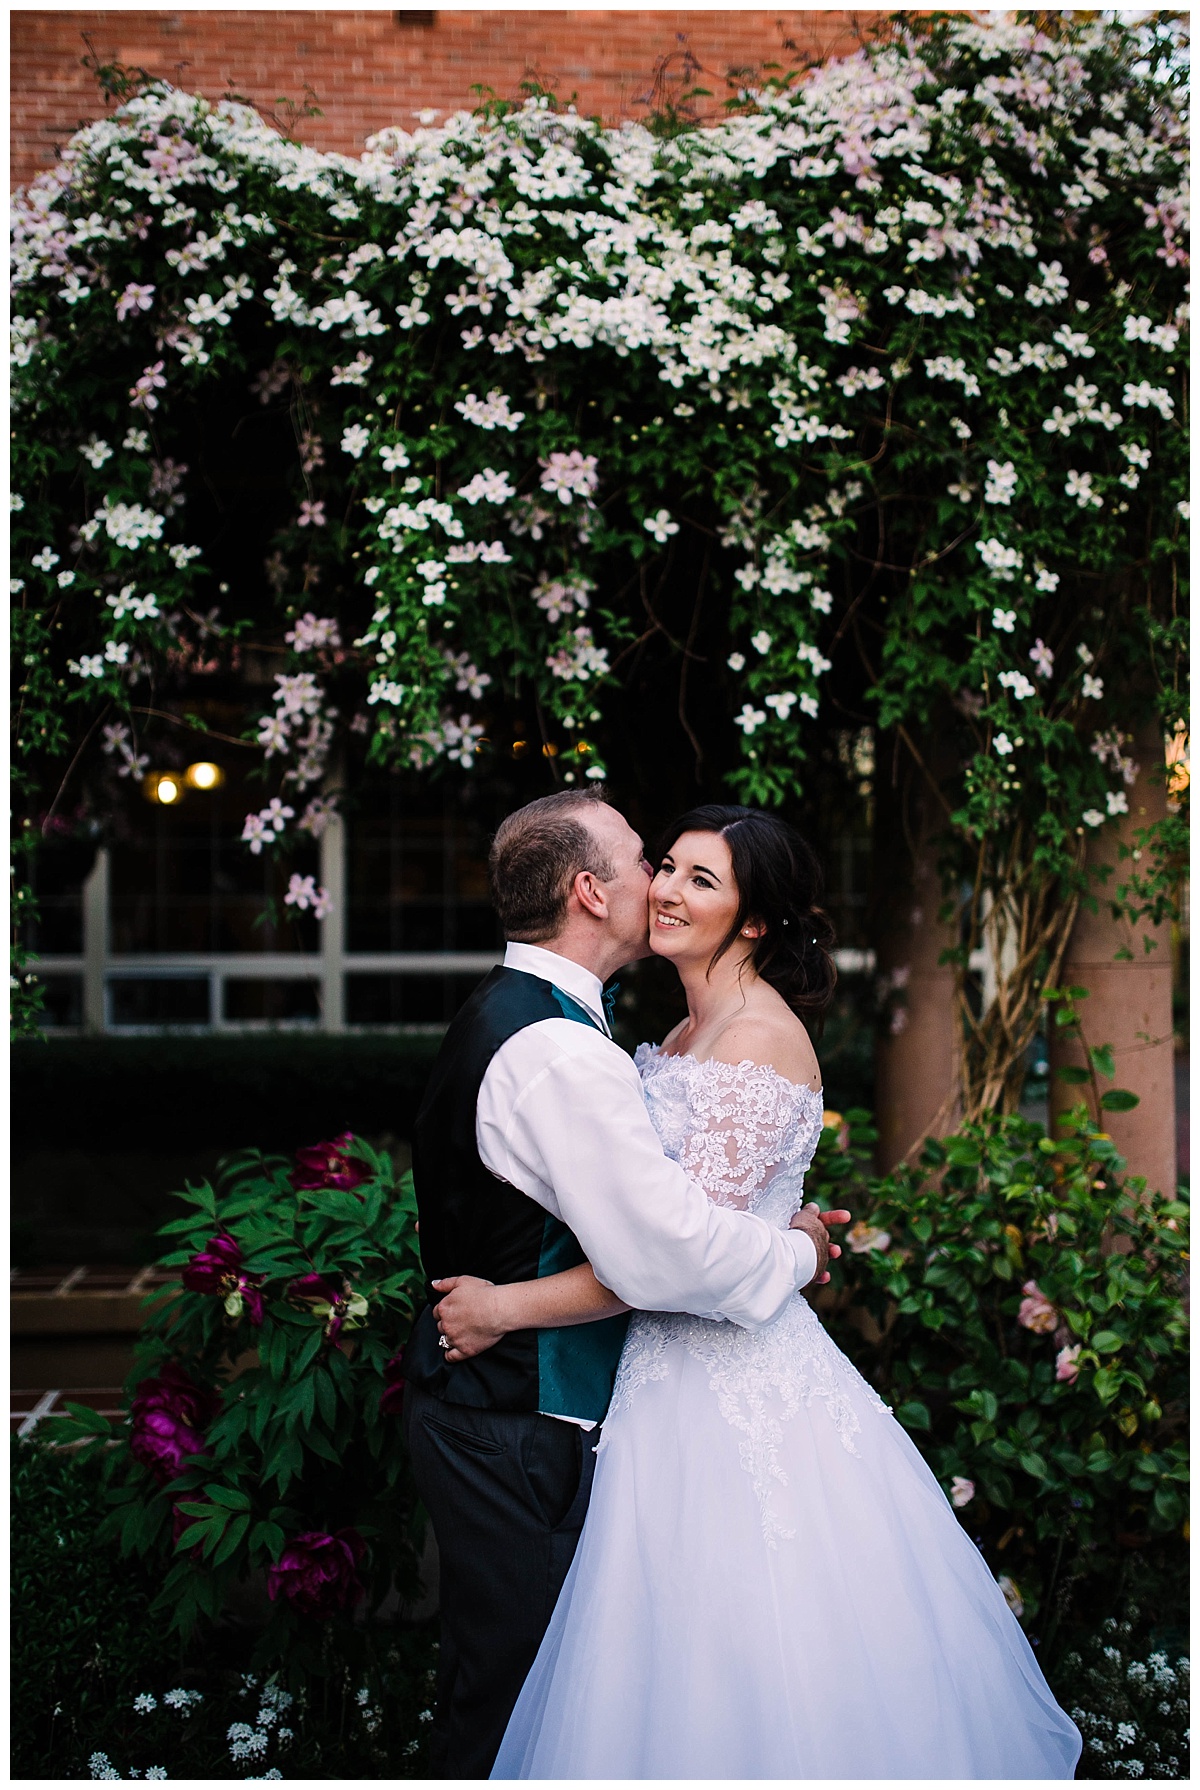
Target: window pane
(159, 1000)
(406, 1000)
(254, 999)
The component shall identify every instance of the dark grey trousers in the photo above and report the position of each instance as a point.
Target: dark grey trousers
(506, 1493)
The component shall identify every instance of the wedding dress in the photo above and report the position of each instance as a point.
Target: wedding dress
(770, 1582)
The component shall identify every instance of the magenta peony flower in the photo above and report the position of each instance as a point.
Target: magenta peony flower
(391, 1402)
(318, 1574)
(339, 1305)
(168, 1417)
(215, 1270)
(329, 1165)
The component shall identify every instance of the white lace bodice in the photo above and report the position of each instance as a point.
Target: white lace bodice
(746, 1135)
(741, 1130)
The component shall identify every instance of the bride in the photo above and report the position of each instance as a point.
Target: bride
(770, 1582)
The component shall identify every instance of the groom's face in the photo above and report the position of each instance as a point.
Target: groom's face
(628, 888)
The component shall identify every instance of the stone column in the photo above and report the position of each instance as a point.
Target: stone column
(917, 1052)
(1129, 993)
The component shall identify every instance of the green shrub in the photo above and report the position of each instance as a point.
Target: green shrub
(264, 1433)
(83, 1638)
(100, 1688)
(1029, 1333)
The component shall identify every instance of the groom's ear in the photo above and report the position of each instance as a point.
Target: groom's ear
(589, 892)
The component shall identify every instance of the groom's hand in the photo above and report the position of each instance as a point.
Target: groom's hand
(815, 1225)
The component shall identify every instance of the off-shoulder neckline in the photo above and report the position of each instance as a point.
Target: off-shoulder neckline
(659, 1055)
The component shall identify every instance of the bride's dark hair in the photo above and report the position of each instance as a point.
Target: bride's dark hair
(779, 887)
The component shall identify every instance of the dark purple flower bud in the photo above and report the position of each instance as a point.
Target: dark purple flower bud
(340, 1306)
(391, 1401)
(317, 1574)
(329, 1165)
(168, 1417)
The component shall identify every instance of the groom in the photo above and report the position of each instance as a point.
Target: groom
(533, 1152)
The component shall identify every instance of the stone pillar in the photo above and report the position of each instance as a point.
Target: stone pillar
(917, 1052)
(1129, 995)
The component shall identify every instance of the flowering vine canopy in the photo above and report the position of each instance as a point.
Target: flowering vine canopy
(897, 343)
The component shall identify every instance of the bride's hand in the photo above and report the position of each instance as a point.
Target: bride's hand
(467, 1315)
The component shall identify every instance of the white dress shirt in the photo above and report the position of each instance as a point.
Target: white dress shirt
(561, 1117)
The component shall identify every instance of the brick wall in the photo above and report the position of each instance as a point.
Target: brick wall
(370, 69)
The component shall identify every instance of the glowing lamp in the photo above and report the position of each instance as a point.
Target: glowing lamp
(205, 775)
(163, 787)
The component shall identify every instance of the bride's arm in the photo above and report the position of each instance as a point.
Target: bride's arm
(474, 1314)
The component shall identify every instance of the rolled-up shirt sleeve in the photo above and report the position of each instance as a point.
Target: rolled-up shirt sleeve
(561, 1116)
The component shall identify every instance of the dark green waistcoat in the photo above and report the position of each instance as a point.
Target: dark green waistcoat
(474, 1223)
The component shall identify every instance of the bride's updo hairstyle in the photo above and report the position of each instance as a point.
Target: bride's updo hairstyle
(779, 887)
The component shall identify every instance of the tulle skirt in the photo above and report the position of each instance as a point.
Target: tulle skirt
(771, 1584)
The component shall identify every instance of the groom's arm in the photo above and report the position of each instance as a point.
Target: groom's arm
(561, 1116)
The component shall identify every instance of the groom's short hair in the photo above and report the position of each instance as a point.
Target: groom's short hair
(535, 857)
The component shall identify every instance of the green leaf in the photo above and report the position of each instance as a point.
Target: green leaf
(914, 1415)
(1105, 1341)
(1033, 1463)
(1102, 1060)
(1074, 1076)
(233, 1537)
(1119, 1100)
(223, 1494)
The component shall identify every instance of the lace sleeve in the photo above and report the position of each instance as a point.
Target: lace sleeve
(743, 1118)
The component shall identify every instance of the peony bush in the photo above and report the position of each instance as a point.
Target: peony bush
(263, 1435)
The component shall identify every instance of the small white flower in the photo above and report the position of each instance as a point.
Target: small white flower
(1085, 653)
(46, 560)
(661, 526)
(145, 1703)
(1045, 580)
(736, 661)
(355, 440)
(1002, 745)
(1092, 817)
(1079, 486)
(136, 440)
(1001, 482)
(782, 701)
(1115, 802)
(1004, 619)
(1093, 687)
(761, 642)
(961, 1491)
(1185, 509)
(1018, 683)
(64, 579)
(749, 719)
(394, 457)
(809, 706)
(821, 600)
(95, 451)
